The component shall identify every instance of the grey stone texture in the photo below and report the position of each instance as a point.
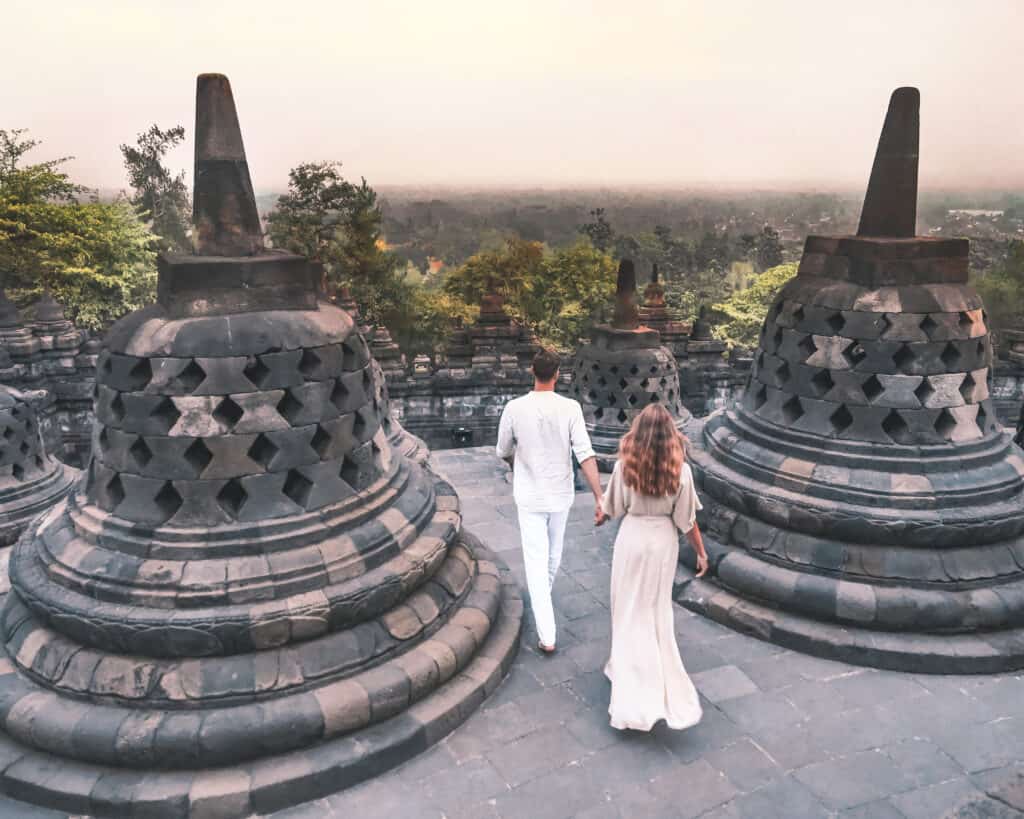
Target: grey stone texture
(250, 599)
(862, 500)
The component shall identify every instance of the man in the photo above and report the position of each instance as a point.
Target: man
(539, 434)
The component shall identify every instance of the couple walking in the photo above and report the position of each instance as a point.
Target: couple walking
(652, 488)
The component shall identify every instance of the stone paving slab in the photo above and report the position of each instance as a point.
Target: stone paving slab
(784, 734)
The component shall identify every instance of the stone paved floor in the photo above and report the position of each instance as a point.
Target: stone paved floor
(783, 735)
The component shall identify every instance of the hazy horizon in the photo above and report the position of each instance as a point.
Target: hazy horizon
(547, 95)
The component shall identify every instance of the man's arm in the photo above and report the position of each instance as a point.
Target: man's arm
(505, 448)
(593, 479)
(584, 452)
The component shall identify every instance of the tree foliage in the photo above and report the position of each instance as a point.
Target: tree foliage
(96, 258)
(745, 310)
(159, 195)
(1002, 288)
(558, 294)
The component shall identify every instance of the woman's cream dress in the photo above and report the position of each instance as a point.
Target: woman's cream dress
(648, 680)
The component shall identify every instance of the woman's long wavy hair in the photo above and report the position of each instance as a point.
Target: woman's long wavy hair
(652, 453)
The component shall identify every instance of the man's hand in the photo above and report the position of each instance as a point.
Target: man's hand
(599, 516)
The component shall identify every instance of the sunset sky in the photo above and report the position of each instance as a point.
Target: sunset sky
(531, 92)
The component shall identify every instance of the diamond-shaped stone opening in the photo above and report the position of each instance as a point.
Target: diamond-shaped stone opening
(167, 500)
(140, 452)
(663, 383)
(198, 456)
(614, 369)
(872, 388)
(854, 353)
(760, 359)
(634, 370)
(792, 410)
(981, 349)
(263, 450)
(232, 497)
(950, 355)
(924, 391)
(981, 419)
(760, 397)
(367, 381)
(339, 395)
(782, 372)
(309, 362)
(39, 462)
(822, 382)
(836, 323)
(321, 441)
(632, 399)
(191, 377)
(256, 371)
(601, 382)
(967, 387)
(654, 398)
(166, 415)
(599, 413)
(592, 395)
(9, 433)
(595, 366)
(622, 417)
(798, 314)
(807, 346)
(840, 420)
(117, 408)
(108, 366)
(350, 473)
(227, 413)
(965, 322)
(289, 406)
(654, 369)
(904, 357)
(297, 487)
(351, 353)
(104, 440)
(945, 424)
(18, 471)
(896, 428)
(884, 324)
(928, 325)
(623, 383)
(115, 491)
(359, 426)
(777, 338)
(140, 374)
(24, 448)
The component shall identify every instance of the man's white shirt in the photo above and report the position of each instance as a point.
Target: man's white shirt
(543, 430)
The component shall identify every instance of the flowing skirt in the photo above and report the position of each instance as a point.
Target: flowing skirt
(648, 680)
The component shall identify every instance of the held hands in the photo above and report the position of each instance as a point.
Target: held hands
(599, 516)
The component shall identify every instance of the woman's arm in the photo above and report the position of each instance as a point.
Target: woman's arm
(697, 542)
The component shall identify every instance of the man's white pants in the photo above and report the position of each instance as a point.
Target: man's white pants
(543, 534)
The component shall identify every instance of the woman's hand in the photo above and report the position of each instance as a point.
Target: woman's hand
(599, 516)
(702, 564)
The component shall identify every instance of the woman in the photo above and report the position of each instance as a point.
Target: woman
(653, 487)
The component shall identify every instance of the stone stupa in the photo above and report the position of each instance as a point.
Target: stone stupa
(861, 501)
(623, 368)
(251, 600)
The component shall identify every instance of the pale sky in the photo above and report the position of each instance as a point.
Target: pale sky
(530, 92)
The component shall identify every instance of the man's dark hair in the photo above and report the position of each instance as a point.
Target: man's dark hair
(545, 365)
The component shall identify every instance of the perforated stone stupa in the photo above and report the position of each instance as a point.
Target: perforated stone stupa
(31, 479)
(623, 368)
(862, 502)
(251, 600)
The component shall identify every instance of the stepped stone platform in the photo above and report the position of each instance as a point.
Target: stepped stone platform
(250, 598)
(862, 501)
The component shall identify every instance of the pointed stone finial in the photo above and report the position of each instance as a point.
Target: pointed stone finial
(654, 273)
(890, 205)
(626, 316)
(48, 310)
(224, 210)
(9, 315)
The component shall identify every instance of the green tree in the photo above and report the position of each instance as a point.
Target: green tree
(159, 195)
(1002, 288)
(598, 231)
(745, 310)
(764, 249)
(97, 258)
(333, 221)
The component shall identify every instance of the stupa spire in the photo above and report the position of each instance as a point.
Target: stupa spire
(224, 205)
(890, 205)
(626, 316)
